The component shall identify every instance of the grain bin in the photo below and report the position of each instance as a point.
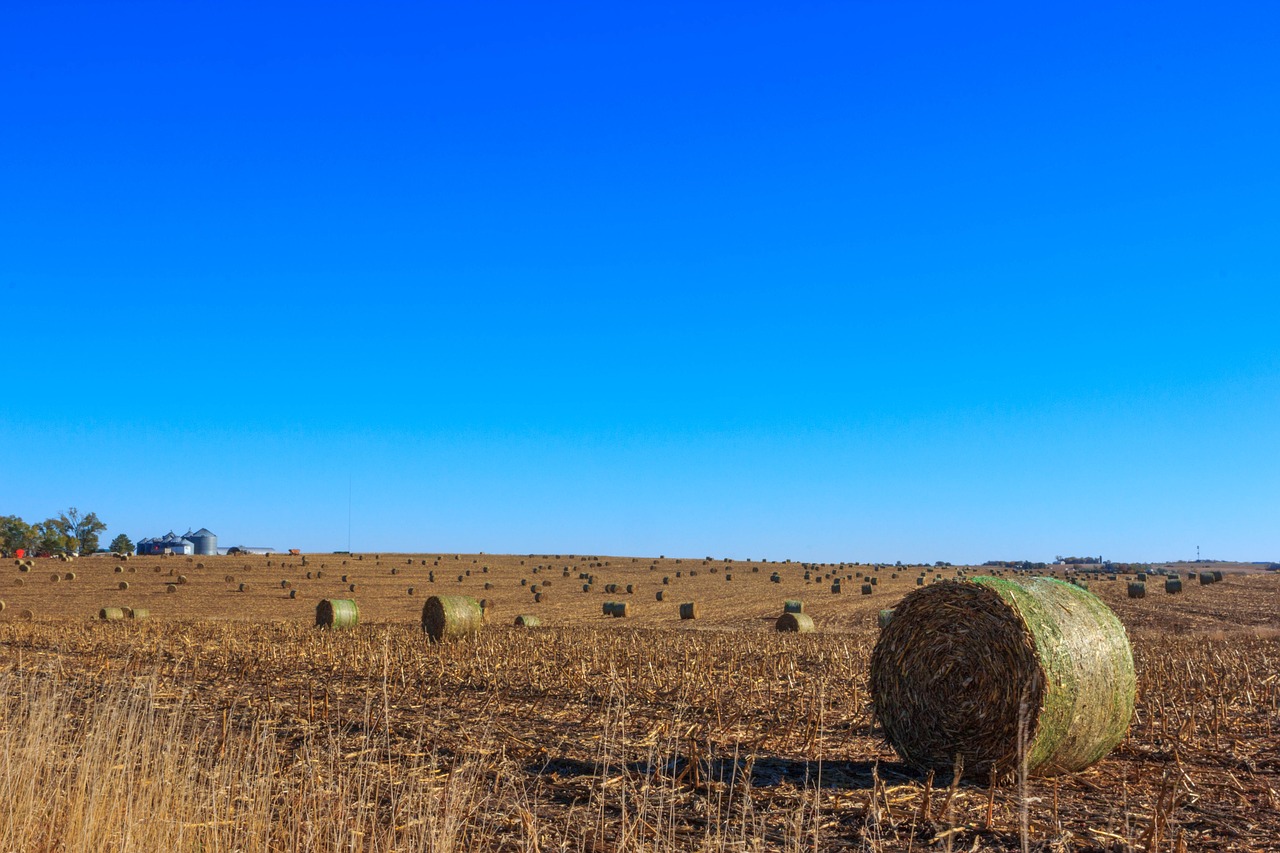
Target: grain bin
(448, 617)
(337, 613)
(203, 543)
(796, 623)
(963, 662)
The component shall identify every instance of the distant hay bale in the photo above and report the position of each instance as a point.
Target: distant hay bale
(537, 597)
(793, 605)
(1, 606)
(794, 623)
(617, 609)
(229, 578)
(1217, 576)
(123, 584)
(1206, 578)
(527, 620)
(866, 589)
(69, 576)
(26, 614)
(111, 614)
(1172, 585)
(139, 613)
(182, 579)
(171, 587)
(118, 570)
(351, 587)
(55, 577)
(244, 587)
(18, 582)
(293, 593)
(450, 617)
(962, 663)
(410, 590)
(690, 610)
(659, 596)
(337, 613)
(1137, 589)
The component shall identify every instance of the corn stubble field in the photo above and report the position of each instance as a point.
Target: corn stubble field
(226, 721)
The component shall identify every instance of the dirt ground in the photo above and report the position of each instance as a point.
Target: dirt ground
(649, 732)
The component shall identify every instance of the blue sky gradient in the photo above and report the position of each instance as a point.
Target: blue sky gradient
(827, 281)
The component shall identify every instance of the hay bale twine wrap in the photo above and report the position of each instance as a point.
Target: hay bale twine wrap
(795, 623)
(527, 620)
(337, 613)
(690, 610)
(962, 661)
(448, 617)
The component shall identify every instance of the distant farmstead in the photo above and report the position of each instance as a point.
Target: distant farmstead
(200, 543)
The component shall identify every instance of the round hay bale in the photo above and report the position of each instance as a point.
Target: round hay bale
(69, 576)
(1206, 578)
(616, 609)
(293, 593)
(111, 614)
(1137, 589)
(690, 610)
(351, 587)
(411, 590)
(18, 582)
(173, 587)
(659, 595)
(866, 589)
(1172, 585)
(133, 570)
(182, 579)
(118, 570)
(795, 623)
(123, 584)
(229, 578)
(537, 598)
(884, 618)
(26, 614)
(793, 605)
(449, 617)
(244, 587)
(337, 613)
(1, 606)
(527, 620)
(138, 613)
(55, 577)
(963, 662)
(1217, 576)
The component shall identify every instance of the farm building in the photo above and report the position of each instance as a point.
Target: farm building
(202, 543)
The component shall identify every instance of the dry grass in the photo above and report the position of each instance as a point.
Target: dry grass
(590, 734)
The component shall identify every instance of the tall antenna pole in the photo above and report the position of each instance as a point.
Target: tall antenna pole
(348, 511)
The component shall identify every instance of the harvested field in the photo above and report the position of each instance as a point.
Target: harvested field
(226, 720)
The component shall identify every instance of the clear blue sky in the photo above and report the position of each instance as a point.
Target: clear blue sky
(828, 281)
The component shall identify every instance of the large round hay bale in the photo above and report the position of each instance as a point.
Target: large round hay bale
(448, 617)
(1206, 578)
(123, 584)
(690, 610)
(137, 613)
(1137, 589)
(171, 587)
(795, 623)
(616, 609)
(793, 605)
(111, 614)
(337, 613)
(69, 576)
(962, 663)
(1172, 585)
(527, 620)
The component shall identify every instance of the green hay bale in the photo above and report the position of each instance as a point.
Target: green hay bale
(794, 623)
(1137, 589)
(792, 605)
(1172, 585)
(1206, 578)
(866, 589)
(450, 617)
(616, 609)
(690, 610)
(337, 613)
(111, 614)
(962, 662)
(528, 620)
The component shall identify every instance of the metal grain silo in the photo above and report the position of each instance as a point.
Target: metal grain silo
(206, 544)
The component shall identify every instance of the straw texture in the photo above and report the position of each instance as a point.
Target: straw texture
(962, 663)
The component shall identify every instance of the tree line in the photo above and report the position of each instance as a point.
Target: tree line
(69, 532)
